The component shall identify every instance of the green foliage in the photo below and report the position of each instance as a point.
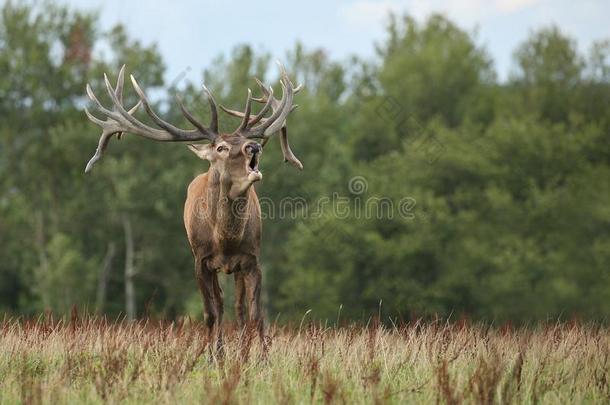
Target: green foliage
(65, 277)
(550, 69)
(428, 71)
(498, 192)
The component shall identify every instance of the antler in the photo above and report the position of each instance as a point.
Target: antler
(119, 120)
(277, 120)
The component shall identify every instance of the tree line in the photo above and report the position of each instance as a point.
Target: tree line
(430, 187)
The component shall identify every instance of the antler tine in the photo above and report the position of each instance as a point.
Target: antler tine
(93, 118)
(268, 104)
(265, 96)
(266, 127)
(101, 147)
(151, 113)
(285, 76)
(173, 134)
(287, 152)
(119, 84)
(258, 117)
(99, 106)
(273, 125)
(119, 94)
(246, 118)
(135, 107)
(118, 106)
(233, 113)
(213, 110)
(190, 116)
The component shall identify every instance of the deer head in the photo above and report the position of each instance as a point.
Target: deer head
(233, 156)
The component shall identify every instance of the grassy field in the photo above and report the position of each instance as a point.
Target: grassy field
(95, 361)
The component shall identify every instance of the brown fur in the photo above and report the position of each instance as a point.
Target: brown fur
(224, 231)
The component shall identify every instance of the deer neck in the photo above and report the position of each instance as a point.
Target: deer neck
(228, 215)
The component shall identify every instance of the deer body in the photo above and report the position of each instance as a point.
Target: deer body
(219, 229)
(224, 236)
(222, 215)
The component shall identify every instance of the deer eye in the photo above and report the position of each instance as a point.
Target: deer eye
(220, 149)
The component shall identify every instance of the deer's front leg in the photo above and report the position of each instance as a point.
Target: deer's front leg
(252, 280)
(240, 299)
(211, 292)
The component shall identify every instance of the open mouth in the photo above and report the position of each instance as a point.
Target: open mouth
(253, 163)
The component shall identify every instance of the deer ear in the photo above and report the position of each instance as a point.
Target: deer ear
(201, 150)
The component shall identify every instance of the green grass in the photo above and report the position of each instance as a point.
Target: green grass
(94, 361)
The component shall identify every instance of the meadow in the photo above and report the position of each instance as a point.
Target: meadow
(94, 360)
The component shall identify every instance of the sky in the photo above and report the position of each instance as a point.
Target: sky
(190, 33)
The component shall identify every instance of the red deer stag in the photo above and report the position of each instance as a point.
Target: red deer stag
(222, 214)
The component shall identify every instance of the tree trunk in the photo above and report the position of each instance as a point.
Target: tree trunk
(102, 283)
(43, 259)
(130, 272)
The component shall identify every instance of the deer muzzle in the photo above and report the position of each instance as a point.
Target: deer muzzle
(253, 152)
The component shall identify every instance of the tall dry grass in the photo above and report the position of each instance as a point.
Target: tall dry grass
(92, 360)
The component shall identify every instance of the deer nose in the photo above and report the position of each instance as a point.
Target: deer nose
(253, 148)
